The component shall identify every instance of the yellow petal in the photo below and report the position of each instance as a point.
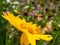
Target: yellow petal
(14, 20)
(24, 40)
(38, 30)
(43, 37)
(27, 39)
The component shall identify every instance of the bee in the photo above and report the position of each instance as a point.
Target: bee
(39, 17)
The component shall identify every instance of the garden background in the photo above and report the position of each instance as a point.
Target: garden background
(40, 12)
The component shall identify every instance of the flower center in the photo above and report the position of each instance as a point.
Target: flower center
(30, 30)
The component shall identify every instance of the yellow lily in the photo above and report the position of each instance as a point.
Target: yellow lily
(31, 32)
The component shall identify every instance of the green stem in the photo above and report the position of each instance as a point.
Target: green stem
(6, 38)
(55, 38)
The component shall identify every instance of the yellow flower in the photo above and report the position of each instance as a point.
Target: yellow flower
(58, 25)
(16, 11)
(31, 32)
(27, 38)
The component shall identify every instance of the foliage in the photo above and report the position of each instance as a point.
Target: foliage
(50, 10)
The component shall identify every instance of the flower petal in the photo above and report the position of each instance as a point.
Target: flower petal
(24, 40)
(43, 37)
(27, 39)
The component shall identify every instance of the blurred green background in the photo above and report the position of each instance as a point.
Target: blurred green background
(29, 9)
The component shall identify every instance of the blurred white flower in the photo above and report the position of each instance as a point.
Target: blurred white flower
(8, 1)
(13, 6)
(26, 7)
(15, 2)
(52, 6)
(10, 36)
(12, 29)
(28, 1)
(32, 7)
